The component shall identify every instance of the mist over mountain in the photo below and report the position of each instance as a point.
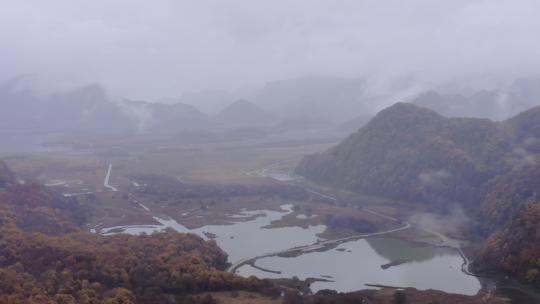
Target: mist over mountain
(497, 104)
(344, 100)
(244, 113)
(91, 110)
(347, 102)
(411, 152)
(352, 125)
(332, 98)
(303, 122)
(85, 109)
(163, 117)
(209, 102)
(407, 151)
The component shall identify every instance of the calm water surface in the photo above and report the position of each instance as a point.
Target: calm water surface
(352, 265)
(349, 266)
(245, 238)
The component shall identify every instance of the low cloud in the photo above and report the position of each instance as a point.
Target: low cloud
(451, 223)
(521, 157)
(431, 177)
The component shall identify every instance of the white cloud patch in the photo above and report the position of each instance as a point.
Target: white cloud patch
(450, 223)
(429, 177)
(521, 157)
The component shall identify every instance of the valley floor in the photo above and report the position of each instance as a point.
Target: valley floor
(153, 185)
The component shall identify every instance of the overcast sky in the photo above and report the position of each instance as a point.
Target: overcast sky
(149, 49)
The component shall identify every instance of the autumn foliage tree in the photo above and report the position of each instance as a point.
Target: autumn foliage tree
(46, 258)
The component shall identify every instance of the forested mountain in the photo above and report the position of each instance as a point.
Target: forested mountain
(490, 168)
(512, 203)
(516, 248)
(410, 152)
(506, 194)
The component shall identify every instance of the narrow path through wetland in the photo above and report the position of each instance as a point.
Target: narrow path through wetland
(107, 177)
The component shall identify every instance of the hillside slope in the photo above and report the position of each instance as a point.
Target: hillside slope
(45, 257)
(413, 153)
(515, 250)
(490, 168)
(511, 207)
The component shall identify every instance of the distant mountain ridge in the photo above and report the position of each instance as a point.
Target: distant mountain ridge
(242, 113)
(89, 109)
(332, 99)
(497, 104)
(160, 117)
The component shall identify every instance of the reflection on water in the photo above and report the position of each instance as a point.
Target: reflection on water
(396, 250)
(249, 239)
(352, 265)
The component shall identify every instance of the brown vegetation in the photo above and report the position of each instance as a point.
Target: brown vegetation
(390, 296)
(516, 249)
(46, 258)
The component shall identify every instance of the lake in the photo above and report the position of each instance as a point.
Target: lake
(241, 239)
(349, 266)
(354, 264)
